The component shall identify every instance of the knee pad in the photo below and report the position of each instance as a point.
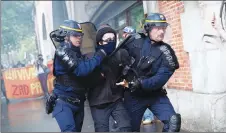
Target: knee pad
(175, 123)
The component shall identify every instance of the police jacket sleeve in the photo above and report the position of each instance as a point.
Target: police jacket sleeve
(79, 67)
(85, 67)
(169, 64)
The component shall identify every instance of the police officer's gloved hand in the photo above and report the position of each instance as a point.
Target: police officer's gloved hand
(101, 53)
(122, 57)
(57, 39)
(67, 59)
(135, 84)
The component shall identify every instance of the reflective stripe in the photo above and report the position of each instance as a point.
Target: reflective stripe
(68, 28)
(161, 21)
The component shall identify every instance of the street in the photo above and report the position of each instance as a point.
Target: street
(30, 116)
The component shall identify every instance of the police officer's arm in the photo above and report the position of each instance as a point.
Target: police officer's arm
(85, 67)
(158, 80)
(79, 68)
(168, 66)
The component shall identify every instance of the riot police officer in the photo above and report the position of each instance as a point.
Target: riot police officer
(128, 30)
(105, 99)
(69, 69)
(155, 63)
(148, 115)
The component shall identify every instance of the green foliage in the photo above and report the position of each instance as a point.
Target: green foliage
(17, 26)
(137, 16)
(17, 21)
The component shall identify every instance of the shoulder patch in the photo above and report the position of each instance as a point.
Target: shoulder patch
(166, 51)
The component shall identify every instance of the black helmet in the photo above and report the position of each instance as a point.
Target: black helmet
(71, 28)
(155, 20)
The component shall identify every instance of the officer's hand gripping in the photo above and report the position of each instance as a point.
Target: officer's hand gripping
(134, 84)
(122, 57)
(124, 83)
(101, 53)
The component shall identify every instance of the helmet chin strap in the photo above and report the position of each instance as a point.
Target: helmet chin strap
(150, 37)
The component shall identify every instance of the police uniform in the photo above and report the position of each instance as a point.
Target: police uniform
(155, 63)
(105, 99)
(69, 68)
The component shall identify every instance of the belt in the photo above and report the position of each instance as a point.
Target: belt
(153, 93)
(73, 101)
(66, 80)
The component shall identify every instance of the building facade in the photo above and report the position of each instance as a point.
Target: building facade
(198, 89)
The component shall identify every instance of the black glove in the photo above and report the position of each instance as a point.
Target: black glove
(66, 57)
(58, 36)
(122, 57)
(147, 62)
(135, 84)
(57, 39)
(50, 103)
(101, 53)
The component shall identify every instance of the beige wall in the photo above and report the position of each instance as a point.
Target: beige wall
(44, 7)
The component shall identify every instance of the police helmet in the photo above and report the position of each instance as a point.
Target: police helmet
(71, 28)
(155, 20)
(129, 29)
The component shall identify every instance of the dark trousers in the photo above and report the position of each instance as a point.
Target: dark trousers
(160, 106)
(69, 117)
(43, 81)
(101, 115)
(3, 89)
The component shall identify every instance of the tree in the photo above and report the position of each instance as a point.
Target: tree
(17, 24)
(16, 21)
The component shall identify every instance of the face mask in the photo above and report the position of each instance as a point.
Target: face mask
(108, 48)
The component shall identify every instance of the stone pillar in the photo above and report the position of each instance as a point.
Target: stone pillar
(69, 10)
(46, 46)
(80, 13)
(150, 6)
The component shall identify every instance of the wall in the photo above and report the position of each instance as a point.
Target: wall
(202, 65)
(182, 78)
(44, 7)
(200, 112)
(208, 57)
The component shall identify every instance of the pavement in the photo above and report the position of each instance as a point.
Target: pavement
(29, 116)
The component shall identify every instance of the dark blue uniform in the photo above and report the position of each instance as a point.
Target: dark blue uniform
(70, 90)
(151, 93)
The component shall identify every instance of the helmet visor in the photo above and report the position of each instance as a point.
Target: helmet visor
(160, 24)
(74, 33)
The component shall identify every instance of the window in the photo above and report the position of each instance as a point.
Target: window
(136, 15)
(111, 22)
(132, 16)
(120, 21)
